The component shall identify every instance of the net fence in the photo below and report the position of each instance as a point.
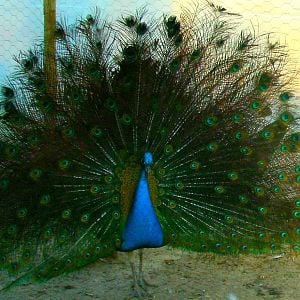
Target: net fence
(22, 21)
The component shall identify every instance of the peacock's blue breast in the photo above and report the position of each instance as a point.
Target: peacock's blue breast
(142, 229)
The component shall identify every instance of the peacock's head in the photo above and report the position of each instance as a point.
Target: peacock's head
(147, 161)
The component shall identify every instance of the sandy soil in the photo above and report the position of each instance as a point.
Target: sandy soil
(178, 275)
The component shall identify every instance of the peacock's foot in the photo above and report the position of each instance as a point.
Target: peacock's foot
(143, 283)
(139, 292)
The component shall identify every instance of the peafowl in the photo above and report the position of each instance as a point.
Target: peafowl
(178, 131)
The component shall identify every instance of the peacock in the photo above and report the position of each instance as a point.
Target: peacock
(145, 132)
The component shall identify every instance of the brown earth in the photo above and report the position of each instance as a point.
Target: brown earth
(177, 275)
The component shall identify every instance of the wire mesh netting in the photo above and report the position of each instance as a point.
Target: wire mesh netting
(22, 21)
(23, 25)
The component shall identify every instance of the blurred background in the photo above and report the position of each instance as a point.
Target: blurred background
(22, 21)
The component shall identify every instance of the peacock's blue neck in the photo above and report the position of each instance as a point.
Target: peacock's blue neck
(142, 229)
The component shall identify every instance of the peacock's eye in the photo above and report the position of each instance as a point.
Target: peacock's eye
(22, 213)
(66, 214)
(95, 189)
(7, 92)
(4, 184)
(235, 68)
(64, 164)
(168, 149)
(85, 218)
(126, 119)
(194, 165)
(45, 199)
(141, 28)
(285, 96)
(130, 21)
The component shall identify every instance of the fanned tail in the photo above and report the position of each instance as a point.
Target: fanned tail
(213, 107)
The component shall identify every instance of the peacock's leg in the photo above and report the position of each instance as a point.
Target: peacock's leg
(136, 288)
(141, 279)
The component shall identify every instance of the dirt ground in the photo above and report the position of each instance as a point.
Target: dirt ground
(177, 275)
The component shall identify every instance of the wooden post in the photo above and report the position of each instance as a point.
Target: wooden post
(50, 46)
